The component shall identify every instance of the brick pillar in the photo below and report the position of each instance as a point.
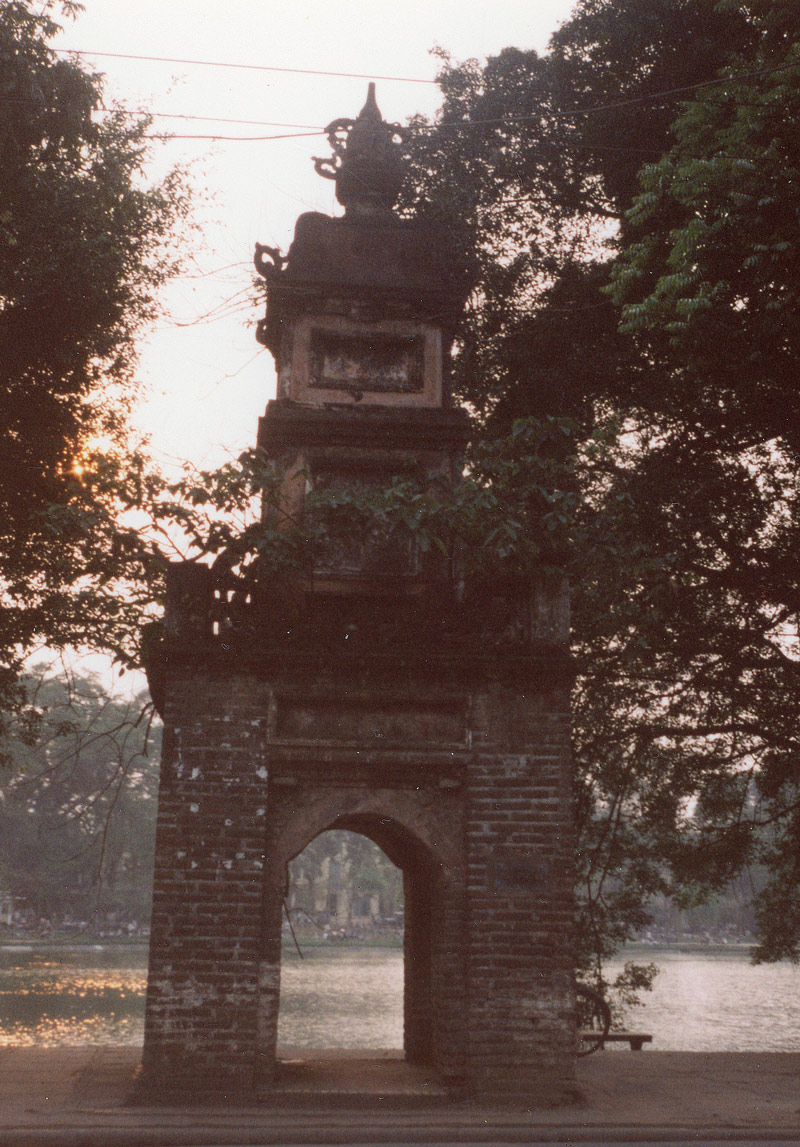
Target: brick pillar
(448, 983)
(269, 984)
(520, 915)
(418, 1003)
(201, 1015)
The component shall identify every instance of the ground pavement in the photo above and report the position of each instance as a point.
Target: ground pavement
(76, 1097)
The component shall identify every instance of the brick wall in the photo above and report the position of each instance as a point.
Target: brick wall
(206, 925)
(519, 897)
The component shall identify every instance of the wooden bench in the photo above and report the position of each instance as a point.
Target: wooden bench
(637, 1040)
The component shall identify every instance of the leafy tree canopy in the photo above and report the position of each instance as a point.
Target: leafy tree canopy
(708, 277)
(77, 813)
(85, 245)
(536, 157)
(685, 616)
(708, 286)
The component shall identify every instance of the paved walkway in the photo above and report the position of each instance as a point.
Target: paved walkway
(74, 1096)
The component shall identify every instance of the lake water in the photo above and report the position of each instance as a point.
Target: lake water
(711, 1000)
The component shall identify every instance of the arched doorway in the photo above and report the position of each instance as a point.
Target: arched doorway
(342, 958)
(421, 838)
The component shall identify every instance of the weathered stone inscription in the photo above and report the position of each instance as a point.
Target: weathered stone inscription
(386, 363)
(373, 724)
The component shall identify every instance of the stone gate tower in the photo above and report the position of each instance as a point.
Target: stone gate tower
(374, 695)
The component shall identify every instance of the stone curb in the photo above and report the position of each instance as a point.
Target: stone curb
(452, 1134)
(72, 1098)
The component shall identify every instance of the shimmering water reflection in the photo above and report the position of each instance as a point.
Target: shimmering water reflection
(51, 997)
(710, 1000)
(716, 1000)
(342, 998)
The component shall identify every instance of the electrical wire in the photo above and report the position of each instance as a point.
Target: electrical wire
(307, 130)
(146, 113)
(242, 67)
(167, 135)
(648, 98)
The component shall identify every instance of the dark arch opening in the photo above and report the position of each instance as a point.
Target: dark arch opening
(345, 902)
(421, 878)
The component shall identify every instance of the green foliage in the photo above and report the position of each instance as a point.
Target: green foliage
(687, 702)
(516, 510)
(711, 262)
(684, 544)
(85, 245)
(77, 813)
(708, 285)
(513, 511)
(531, 165)
(621, 69)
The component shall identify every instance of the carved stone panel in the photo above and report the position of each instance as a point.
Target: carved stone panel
(372, 722)
(390, 362)
(380, 362)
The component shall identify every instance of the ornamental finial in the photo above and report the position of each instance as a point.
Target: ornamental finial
(366, 161)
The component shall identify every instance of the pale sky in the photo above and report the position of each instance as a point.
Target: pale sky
(206, 383)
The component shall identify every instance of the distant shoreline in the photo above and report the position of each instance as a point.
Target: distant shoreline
(636, 949)
(641, 947)
(25, 943)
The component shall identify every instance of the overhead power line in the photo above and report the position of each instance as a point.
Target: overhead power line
(648, 98)
(145, 113)
(715, 81)
(240, 138)
(307, 130)
(242, 67)
(718, 81)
